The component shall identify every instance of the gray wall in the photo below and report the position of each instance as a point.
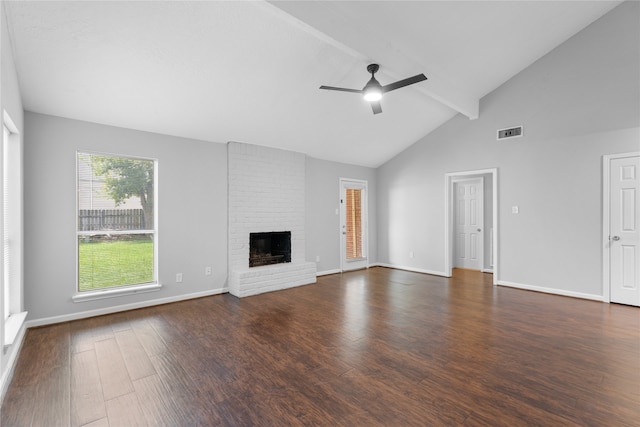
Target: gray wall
(192, 211)
(577, 103)
(323, 198)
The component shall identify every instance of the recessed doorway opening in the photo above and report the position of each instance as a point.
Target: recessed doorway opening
(471, 221)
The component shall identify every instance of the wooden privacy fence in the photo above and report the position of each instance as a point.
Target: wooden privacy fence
(110, 219)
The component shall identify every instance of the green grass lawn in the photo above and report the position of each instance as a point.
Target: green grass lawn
(121, 262)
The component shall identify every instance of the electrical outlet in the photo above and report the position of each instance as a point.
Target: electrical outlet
(179, 278)
(410, 254)
(317, 258)
(207, 271)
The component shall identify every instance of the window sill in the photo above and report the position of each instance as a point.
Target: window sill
(12, 327)
(118, 292)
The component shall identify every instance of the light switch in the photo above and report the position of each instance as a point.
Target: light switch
(515, 209)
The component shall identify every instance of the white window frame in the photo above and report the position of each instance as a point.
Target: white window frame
(121, 290)
(11, 230)
(6, 283)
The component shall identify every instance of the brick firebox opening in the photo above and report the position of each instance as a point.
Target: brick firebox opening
(269, 248)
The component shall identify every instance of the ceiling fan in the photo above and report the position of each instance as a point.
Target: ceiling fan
(373, 90)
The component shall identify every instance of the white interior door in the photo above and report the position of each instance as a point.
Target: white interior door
(353, 224)
(624, 231)
(469, 220)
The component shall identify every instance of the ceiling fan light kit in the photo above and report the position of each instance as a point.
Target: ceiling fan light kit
(373, 90)
(372, 93)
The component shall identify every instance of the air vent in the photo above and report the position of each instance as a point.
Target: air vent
(514, 132)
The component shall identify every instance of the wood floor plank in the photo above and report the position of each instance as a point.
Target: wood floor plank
(152, 343)
(30, 363)
(102, 422)
(53, 399)
(113, 371)
(125, 410)
(87, 401)
(85, 333)
(158, 404)
(135, 357)
(17, 406)
(367, 348)
(187, 393)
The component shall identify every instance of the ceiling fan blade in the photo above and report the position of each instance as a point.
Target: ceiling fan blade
(376, 107)
(341, 89)
(403, 83)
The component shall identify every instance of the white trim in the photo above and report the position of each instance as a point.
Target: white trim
(448, 221)
(8, 122)
(119, 308)
(115, 292)
(327, 272)
(415, 270)
(487, 270)
(606, 221)
(12, 326)
(12, 358)
(551, 291)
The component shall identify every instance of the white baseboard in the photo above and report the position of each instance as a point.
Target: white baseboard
(12, 356)
(416, 270)
(487, 270)
(327, 272)
(553, 291)
(119, 308)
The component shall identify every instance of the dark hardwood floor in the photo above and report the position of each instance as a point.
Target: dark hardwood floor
(367, 348)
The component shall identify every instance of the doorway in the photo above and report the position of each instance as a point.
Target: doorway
(468, 224)
(460, 237)
(353, 224)
(620, 228)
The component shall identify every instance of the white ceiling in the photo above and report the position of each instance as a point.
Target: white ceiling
(250, 71)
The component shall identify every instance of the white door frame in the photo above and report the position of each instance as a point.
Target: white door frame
(606, 221)
(365, 223)
(448, 218)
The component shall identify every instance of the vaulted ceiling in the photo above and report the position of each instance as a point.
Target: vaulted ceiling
(250, 71)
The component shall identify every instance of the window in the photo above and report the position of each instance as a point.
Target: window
(6, 250)
(11, 230)
(116, 230)
(11, 219)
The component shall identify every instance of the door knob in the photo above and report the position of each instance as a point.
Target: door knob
(479, 229)
(615, 238)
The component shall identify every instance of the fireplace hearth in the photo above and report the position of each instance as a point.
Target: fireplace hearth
(269, 248)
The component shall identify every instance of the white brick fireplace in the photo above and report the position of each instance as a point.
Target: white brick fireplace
(266, 194)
